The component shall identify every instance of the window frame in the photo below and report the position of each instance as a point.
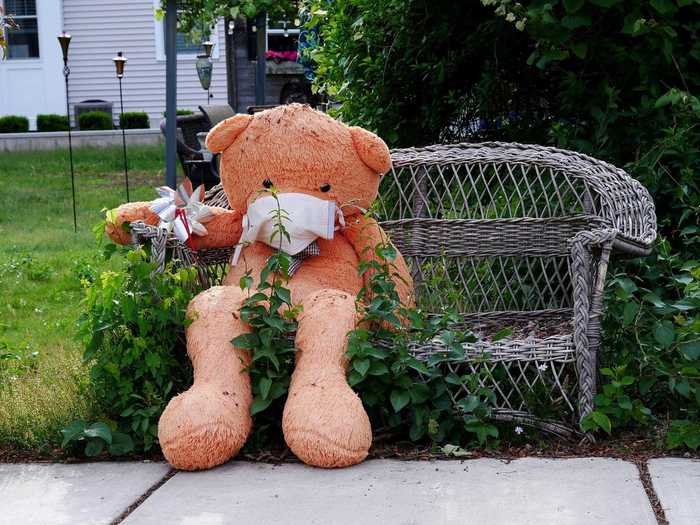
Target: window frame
(291, 31)
(7, 31)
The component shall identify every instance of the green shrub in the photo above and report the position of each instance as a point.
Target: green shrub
(52, 123)
(542, 72)
(134, 120)
(132, 327)
(95, 120)
(14, 124)
(180, 112)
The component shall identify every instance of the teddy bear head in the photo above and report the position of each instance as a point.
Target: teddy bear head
(298, 150)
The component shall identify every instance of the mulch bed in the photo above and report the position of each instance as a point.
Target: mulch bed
(631, 446)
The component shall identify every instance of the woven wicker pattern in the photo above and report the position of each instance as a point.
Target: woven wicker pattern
(509, 235)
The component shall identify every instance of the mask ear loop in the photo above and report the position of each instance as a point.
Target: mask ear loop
(351, 204)
(341, 219)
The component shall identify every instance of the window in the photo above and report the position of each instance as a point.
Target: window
(183, 44)
(22, 42)
(186, 49)
(281, 36)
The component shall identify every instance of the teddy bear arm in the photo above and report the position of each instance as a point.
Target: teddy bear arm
(365, 235)
(126, 214)
(223, 230)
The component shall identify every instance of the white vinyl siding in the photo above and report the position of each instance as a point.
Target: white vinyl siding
(100, 28)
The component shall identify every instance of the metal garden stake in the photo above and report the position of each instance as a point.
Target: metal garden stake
(119, 63)
(64, 40)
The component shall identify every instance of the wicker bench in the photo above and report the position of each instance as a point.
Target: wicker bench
(509, 235)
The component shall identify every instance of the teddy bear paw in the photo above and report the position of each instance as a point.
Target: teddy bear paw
(203, 427)
(325, 424)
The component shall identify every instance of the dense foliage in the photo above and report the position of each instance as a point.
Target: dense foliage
(197, 17)
(617, 79)
(14, 124)
(51, 122)
(134, 120)
(95, 120)
(132, 327)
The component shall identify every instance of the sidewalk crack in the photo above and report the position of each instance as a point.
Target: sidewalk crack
(136, 504)
(645, 478)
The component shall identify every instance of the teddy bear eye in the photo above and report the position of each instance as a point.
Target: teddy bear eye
(267, 183)
(325, 188)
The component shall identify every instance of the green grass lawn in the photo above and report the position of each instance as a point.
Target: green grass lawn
(42, 379)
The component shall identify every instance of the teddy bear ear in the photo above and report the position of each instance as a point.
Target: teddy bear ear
(225, 132)
(371, 149)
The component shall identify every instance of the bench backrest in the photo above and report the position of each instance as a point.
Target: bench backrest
(486, 230)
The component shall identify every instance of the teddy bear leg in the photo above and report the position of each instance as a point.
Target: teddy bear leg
(209, 423)
(324, 422)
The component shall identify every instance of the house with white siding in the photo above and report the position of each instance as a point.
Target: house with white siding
(31, 77)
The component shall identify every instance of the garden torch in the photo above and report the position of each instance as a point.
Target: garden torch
(205, 67)
(64, 41)
(119, 63)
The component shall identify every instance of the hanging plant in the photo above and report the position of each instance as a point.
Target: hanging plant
(6, 21)
(193, 15)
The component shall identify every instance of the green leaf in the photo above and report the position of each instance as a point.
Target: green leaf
(691, 350)
(399, 399)
(246, 341)
(580, 49)
(602, 421)
(502, 333)
(629, 313)
(625, 403)
(673, 96)
(99, 430)
(604, 3)
(275, 322)
(72, 431)
(94, 447)
(378, 368)
(469, 403)
(121, 444)
(455, 450)
(284, 294)
(664, 333)
(419, 366)
(362, 366)
(264, 385)
(576, 21)
(259, 405)
(245, 282)
(572, 6)
(663, 6)
(655, 300)
(153, 360)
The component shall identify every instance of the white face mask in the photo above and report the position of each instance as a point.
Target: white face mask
(304, 217)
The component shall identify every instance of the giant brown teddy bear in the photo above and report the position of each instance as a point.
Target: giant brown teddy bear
(299, 151)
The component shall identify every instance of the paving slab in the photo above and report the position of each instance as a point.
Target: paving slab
(677, 484)
(526, 491)
(85, 493)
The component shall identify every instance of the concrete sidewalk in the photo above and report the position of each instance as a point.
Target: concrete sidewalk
(480, 491)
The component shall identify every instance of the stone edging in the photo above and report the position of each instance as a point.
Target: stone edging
(48, 140)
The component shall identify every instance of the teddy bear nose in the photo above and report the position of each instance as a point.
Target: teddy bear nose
(325, 188)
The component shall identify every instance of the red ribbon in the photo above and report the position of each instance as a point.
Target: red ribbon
(183, 217)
